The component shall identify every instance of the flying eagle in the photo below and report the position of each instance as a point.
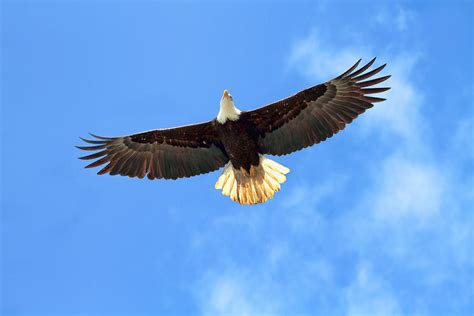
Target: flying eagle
(238, 140)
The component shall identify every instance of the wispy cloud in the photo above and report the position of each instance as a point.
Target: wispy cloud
(409, 218)
(410, 197)
(462, 140)
(316, 58)
(400, 114)
(406, 189)
(368, 295)
(401, 18)
(232, 293)
(227, 296)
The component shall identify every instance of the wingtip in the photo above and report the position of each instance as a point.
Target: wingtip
(350, 70)
(384, 78)
(99, 137)
(81, 147)
(372, 61)
(84, 140)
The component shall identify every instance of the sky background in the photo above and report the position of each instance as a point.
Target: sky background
(377, 220)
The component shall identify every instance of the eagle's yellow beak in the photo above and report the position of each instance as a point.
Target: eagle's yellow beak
(226, 94)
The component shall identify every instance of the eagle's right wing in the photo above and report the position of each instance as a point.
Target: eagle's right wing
(164, 153)
(315, 114)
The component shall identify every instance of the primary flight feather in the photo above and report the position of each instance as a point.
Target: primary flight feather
(238, 140)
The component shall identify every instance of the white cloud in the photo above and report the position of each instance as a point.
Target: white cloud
(228, 298)
(411, 196)
(233, 293)
(415, 213)
(404, 18)
(462, 140)
(277, 253)
(368, 295)
(310, 195)
(400, 18)
(411, 212)
(316, 59)
(400, 114)
(304, 202)
(406, 189)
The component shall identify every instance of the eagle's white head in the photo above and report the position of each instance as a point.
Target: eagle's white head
(228, 111)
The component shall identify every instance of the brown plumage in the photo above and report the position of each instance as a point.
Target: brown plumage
(241, 138)
(167, 153)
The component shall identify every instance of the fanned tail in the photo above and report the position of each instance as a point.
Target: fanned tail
(256, 186)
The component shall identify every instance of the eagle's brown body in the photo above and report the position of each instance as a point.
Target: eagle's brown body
(238, 140)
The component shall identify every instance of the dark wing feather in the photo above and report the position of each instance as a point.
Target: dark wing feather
(165, 153)
(315, 114)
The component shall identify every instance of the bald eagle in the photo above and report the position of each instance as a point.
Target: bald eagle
(238, 140)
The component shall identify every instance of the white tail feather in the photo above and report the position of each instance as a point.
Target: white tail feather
(256, 186)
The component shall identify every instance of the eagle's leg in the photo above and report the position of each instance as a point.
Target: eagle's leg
(254, 186)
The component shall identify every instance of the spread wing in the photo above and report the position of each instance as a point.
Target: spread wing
(315, 114)
(165, 153)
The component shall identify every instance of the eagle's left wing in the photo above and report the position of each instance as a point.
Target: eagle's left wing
(315, 114)
(170, 153)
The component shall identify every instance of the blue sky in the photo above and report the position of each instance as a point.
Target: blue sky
(375, 221)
